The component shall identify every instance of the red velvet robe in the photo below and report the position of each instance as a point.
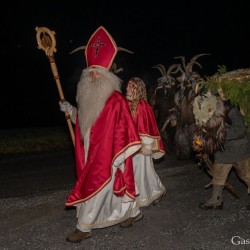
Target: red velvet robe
(147, 126)
(113, 133)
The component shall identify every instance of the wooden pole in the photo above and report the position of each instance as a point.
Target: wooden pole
(47, 42)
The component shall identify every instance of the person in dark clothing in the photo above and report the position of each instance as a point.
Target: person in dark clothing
(235, 152)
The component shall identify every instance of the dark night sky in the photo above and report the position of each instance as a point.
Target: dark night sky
(155, 33)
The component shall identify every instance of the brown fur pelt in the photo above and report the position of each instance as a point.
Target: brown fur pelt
(185, 123)
(209, 135)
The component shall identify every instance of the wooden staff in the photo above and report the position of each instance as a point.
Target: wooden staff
(47, 42)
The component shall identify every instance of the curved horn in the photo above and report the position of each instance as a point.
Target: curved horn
(126, 50)
(77, 49)
(115, 69)
(165, 124)
(172, 67)
(189, 67)
(161, 68)
(171, 118)
(182, 59)
(197, 88)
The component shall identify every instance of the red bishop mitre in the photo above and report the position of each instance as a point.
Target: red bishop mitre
(101, 49)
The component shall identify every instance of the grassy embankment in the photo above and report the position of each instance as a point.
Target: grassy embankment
(33, 140)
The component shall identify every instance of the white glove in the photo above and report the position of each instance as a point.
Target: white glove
(66, 106)
(147, 149)
(147, 145)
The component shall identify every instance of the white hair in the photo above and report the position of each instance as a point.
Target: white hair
(92, 95)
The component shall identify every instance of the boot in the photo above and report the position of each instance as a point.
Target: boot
(77, 236)
(130, 221)
(159, 199)
(216, 201)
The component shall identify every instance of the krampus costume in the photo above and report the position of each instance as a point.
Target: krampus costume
(221, 139)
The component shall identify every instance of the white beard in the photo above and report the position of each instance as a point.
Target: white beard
(92, 95)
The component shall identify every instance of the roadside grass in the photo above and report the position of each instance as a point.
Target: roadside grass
(32, 140)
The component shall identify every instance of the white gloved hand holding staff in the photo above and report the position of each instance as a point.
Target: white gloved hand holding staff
(67, 107)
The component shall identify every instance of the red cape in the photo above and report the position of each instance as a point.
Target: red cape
(112, 134)
(146, 124)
